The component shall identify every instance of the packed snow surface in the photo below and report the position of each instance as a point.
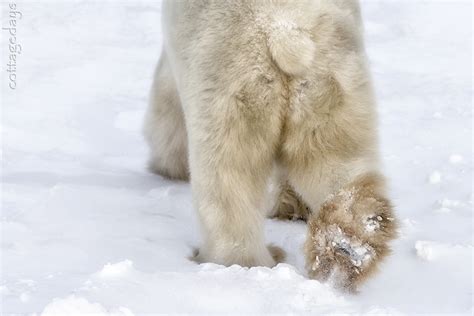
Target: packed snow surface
(86, 230)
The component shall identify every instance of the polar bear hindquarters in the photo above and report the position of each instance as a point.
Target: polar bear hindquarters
(254, 96)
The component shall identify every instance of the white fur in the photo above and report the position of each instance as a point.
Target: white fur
(248, 85)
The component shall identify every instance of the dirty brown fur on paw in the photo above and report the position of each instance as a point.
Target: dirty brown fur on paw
(290, 205)
(351, 234)
(277, 253)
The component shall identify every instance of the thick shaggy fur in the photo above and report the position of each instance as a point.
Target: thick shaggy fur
(246, 89)
(350, 235)
(165, 130)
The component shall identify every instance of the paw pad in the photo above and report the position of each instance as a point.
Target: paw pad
(350, 248)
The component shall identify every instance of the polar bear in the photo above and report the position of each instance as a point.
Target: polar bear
(252, 94)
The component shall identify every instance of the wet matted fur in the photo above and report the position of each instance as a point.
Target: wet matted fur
(350, 236)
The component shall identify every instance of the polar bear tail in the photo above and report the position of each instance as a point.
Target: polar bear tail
(291, 48)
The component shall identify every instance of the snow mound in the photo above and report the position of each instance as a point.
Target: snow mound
(447, 205)
(78, 306)
(116, 270)
(213, 288)
(435, 177)
(430, 250)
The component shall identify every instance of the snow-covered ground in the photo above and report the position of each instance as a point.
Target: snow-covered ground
(85, 229)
